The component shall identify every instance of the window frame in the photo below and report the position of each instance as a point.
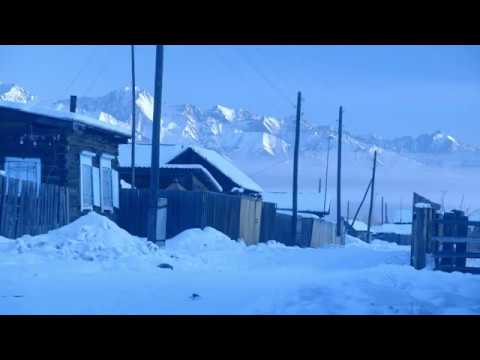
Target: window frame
(86, 158)
(36, 161)
(106, 162)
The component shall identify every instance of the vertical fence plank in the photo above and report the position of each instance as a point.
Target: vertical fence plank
(421, 227)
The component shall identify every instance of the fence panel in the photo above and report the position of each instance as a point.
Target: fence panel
(189, 209)
(24, 209)
(267, 225)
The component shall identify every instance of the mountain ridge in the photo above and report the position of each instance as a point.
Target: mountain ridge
(233, 131)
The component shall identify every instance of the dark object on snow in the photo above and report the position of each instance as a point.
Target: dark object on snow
(194, 296)
(165, 266)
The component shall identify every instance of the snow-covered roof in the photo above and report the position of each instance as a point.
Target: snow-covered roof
(143, 154)
(359, 225)
(194, 166)
(300, 214)
(65, 116)
(401, 229)
(226, 167)
(169, 152)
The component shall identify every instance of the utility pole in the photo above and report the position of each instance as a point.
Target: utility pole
(372, 192)
(381, 222)
(339, 174)
(386, 213)
(155, 164)
(295, 169)
(326, 175)
(401, 211)
(134, 124)
(348, 210)
(361, 203)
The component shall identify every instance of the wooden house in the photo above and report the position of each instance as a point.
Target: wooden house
(66, 149)
(195, 168)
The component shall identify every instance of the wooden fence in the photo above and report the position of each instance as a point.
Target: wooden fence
(311, 232)
(236, 216)
(267, 224)
(24, 209)
(445, 236)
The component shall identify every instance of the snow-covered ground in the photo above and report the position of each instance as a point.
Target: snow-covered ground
(93, 267)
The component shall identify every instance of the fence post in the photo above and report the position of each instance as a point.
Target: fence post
(421, 233)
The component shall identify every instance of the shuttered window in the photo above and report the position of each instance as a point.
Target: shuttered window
(86, 181)
(107, 197)
(115, 187)
(106, 182)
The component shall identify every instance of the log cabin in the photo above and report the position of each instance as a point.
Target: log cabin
(66, 149)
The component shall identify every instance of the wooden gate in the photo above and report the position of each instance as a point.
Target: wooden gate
(443, 235)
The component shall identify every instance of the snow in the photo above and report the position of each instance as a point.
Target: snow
(226, 167)
(66, 116)
(93, 267)
(401, 229)
(14, 93)
(143, 154)
(228, 113)
(169, 152)
(125, 185)
(300, 214)
(359, 225)
(423, 205)
(91, 237)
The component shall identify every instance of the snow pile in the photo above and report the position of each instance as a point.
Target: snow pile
(91, 237)
(227, 276)
(195, 241)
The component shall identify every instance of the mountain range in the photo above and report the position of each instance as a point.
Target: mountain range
(239, 132)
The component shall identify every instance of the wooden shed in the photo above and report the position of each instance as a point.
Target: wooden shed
(207, 168)
(66, 149)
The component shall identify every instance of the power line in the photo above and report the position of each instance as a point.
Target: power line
(84, 66)
(100, 73)
(272, 85)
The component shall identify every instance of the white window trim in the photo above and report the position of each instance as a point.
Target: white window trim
(96, 186)
(36, 161)
(106, 159)
(86, 158)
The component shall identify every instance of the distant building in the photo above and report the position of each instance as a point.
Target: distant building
(66, 149)
(192, 167)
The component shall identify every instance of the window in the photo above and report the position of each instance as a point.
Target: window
(28, 169)
(106, 182)
(86, 180)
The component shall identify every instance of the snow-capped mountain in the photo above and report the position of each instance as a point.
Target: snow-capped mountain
(437, 143)
(238, 132)
(14, 93)
(115, 108)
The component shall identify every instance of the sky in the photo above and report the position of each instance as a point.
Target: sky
(388, 91)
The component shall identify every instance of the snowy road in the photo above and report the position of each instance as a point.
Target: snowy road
(92, 267)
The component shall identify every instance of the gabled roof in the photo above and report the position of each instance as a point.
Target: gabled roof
(226, 167)
(195, 167)
(169, 152)
(64, 116)
(143, 154)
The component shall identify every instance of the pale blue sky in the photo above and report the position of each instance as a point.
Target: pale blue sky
(387, 90)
